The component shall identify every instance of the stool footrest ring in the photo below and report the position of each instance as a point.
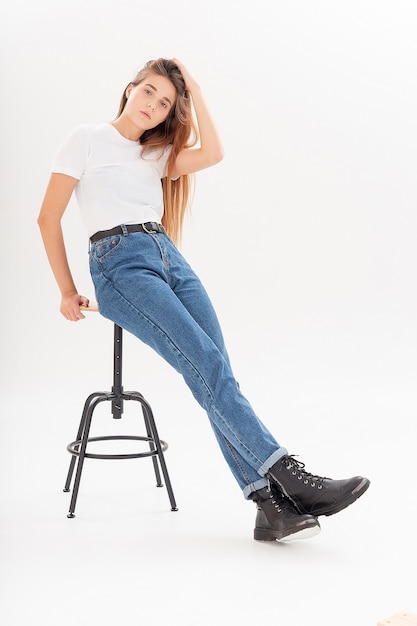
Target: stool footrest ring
(74, 446)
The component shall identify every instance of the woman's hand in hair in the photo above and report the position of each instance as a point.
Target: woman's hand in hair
(190, 82)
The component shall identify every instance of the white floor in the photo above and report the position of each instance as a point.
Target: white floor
(126, 558)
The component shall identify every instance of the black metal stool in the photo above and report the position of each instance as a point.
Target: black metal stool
(117, 396)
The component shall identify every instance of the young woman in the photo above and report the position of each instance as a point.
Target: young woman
(132, 180)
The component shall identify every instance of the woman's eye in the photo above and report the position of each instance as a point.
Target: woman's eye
(164, 105)
(148, 92)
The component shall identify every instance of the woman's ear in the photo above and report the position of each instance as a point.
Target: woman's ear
(129, 89)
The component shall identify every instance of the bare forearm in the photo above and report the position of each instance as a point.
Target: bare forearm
(209, 136)
(53, 241)
(58, 193)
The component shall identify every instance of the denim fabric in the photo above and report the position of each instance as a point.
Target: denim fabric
(145, 285)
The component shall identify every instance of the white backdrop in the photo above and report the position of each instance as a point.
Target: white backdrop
(304, 235)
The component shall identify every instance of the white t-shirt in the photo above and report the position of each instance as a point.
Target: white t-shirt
(116, 185)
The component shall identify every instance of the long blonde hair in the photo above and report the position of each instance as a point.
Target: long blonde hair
(179, 131)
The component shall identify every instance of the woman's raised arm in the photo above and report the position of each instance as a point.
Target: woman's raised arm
(210, 150)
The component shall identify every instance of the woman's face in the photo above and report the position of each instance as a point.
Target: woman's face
(149, 103)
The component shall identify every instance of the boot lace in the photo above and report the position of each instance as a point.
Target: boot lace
(297, 469)
(277, 498)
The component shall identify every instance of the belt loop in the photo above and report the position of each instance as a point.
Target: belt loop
(124, 230)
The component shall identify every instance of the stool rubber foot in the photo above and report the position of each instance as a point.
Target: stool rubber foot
(66, 490)
(174, 508)
(70, 515)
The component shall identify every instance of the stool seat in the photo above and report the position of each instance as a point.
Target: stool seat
(117, 396)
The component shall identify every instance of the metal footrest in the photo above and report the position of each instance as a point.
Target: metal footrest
(74, 447)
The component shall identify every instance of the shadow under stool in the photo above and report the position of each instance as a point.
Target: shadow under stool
(117, 396)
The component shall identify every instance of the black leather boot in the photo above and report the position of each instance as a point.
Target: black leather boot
(312, 494)
(278, 520)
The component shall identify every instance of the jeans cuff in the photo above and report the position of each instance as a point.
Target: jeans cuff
(258, 484)
(270, 461)
(262, 482)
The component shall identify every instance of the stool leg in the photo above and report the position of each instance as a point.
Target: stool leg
(81, 456)
(69, 475)
(79, 437)
(152, 447)
(150, 421)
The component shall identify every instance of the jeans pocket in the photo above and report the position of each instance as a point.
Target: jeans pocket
(102, 249)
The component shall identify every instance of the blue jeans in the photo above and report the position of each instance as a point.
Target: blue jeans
(145, 285)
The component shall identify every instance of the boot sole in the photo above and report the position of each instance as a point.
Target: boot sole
(261, 534)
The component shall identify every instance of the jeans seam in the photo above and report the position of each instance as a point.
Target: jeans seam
(236, 459)
(165, 257)
(249, 452)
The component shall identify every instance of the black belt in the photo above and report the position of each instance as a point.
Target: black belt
(148, 227)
